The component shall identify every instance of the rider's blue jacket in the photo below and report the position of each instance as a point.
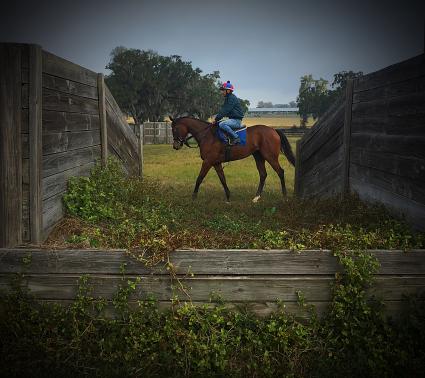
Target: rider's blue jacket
(231, 108)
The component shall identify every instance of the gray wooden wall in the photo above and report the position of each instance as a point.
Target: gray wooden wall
(387, 146)
(253, 278)
(373, 144)
(67, 119)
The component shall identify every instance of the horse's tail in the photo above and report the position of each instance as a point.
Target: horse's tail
(285, 147)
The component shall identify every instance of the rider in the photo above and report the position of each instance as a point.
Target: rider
(233, 110)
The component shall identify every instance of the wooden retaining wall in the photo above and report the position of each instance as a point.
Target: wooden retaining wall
(57, 118)
(253, 278)
(373, 143)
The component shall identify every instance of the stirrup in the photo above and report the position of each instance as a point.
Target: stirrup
(235, 141)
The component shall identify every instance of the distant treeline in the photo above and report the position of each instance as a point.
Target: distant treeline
(268, 104)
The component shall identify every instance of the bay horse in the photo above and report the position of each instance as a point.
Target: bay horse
(262, 142)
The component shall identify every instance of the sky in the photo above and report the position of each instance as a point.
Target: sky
(262, 47)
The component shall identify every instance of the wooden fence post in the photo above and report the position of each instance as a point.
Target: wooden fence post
(347, 134)
(297, 169)
(166, 132)
(10, 146)
(154, 132)
(35, 128)
(102, 117)
(141, 140)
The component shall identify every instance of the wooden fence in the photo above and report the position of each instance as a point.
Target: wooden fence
(253, 278)
(372, 142)
(56, 119)
(161, 133)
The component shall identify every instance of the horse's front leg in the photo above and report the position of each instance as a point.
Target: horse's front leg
(219, 169)
(206, 166)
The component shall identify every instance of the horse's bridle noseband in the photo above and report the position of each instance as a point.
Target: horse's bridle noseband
(183, 140)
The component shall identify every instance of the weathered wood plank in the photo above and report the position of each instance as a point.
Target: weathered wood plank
(413, 85)
(229, 288)
(64, 102)
(68, 86)
(57, 183)
(26, 212)
(202, 262)
(102, 118)
(54, 143)
(141, 150)
(24, 120)
(412, 190)
(57, 66)
(326, 135)
(35, 142)
(59, 122)
(347, 134)
(410, 104)
(263, 308)
(405, 145)
(411, 124)
(413, 211)
(328, 118)
(10, 146)
(119, 120)
(126, 150)
(57, 101)
(333, 150)
(60, 162)
(315, 175)
(325, 189)
(403, 166)
(297, 183)
(112, 107)
(408, 69)
(53, 212)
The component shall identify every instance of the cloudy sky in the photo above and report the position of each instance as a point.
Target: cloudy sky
(263, 47)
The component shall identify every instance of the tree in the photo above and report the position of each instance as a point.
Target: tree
(340, 82)
(149, 86)
(262, 104)
(245, 105)
(314, 97)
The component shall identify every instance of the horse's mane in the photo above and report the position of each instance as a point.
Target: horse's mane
(196, 119)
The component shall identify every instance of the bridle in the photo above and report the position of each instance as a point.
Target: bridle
(185, 141)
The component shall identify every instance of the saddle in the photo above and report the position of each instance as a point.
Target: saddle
(225, 139)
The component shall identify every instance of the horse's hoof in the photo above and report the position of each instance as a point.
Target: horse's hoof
(228, 202)
(256, 199)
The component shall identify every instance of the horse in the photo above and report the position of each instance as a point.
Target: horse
(262, 142)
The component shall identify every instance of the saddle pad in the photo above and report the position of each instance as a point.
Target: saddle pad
(241, 132)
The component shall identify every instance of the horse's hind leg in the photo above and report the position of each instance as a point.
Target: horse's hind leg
(261, 166)
(274, 162)
(219, 169)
